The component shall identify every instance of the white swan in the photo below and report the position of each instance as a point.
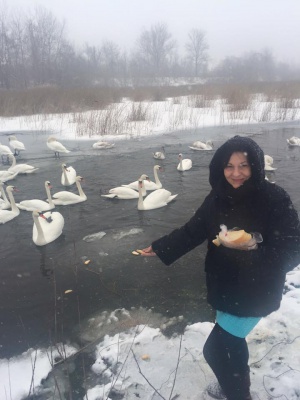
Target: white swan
(8, 215)
(65, 198)
(100, 145)
(36, 204)
(184, 164)
(127, 193)
(56, 146)
(48, 228)
(7, 175)
(20, 168)
(293, 141)
(202, 146)
(16, 145)
(5, 151)
(4, 202)
(158, 198)
(268, 163)
(149, 185)
(68, 176)
(160, 155)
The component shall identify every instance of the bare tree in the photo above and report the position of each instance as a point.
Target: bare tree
(196, 48)
(155, 47)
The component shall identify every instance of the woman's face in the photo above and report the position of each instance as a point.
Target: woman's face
(237, 170)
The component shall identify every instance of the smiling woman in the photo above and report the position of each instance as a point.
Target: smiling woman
(237, 170)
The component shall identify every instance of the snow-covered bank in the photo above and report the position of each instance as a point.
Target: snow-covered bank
(141, 362)
(129, 120)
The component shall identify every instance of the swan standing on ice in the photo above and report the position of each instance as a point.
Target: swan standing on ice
(16, 145)
(127, 193)
(8, 215)
(149, 185)
(293, 141)
(68, 176)
(160, 155)
(4, 202)
(65, 198)
(202, 146)
(5, 152)
(268, 163)
(20, 168)
(184, 164)
(36, 204)
(56, 146)
(100, 145)
(157, 199)
(48, 228)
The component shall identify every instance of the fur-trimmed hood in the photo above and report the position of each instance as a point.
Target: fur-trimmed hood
(237, 144)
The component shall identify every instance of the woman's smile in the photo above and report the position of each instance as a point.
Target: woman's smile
(237, 170)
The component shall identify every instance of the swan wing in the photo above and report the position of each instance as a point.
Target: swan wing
(34, 204)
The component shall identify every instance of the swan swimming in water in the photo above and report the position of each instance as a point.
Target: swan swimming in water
(8, 215)
(159, 155)
(293, 141)
(127, 193)
(56, 146)
(48, 228)
(7, 175)
(68, 176)
(268, 163)
(202, 146)
(65, 198)
(100, 145)
(149, 185)
(16, 145)
(157, 199)
(184, 164)
(20, 168)
(36, 204)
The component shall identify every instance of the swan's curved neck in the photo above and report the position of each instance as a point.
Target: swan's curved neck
(14, 208)
(141, 201)
(40, 235)
(14, 163)
(50, 201)
(4, 194)
(180, 163)
(156, 178)
(66, 177)
(81, 192)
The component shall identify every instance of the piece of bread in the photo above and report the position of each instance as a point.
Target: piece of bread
(234, 237)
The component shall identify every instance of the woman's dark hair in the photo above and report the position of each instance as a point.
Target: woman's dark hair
(254, 153)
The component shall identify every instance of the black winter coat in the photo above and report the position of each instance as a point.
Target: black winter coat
(242, 283)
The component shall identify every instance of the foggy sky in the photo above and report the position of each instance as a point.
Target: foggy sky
(232, 27)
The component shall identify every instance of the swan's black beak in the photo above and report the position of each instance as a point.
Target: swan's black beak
(49, 219)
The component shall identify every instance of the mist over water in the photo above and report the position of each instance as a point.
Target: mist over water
(92, 259)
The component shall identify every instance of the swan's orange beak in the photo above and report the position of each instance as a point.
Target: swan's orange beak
(42, 216)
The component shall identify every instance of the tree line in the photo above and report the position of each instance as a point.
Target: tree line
(35, 51)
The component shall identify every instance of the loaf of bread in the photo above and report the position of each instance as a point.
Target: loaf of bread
(233, 237)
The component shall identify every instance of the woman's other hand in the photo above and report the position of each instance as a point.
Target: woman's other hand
(250, 245)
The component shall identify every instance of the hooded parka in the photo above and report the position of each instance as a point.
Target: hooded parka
(242, 283)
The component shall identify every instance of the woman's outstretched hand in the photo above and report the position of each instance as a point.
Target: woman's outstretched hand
(147, 252)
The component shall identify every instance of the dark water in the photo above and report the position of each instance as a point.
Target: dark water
(35, 309)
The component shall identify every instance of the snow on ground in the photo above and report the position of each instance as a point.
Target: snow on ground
(142, 362)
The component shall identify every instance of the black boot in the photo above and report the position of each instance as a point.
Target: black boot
(239, 388)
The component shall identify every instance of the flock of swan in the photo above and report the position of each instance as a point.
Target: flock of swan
(48, 224)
